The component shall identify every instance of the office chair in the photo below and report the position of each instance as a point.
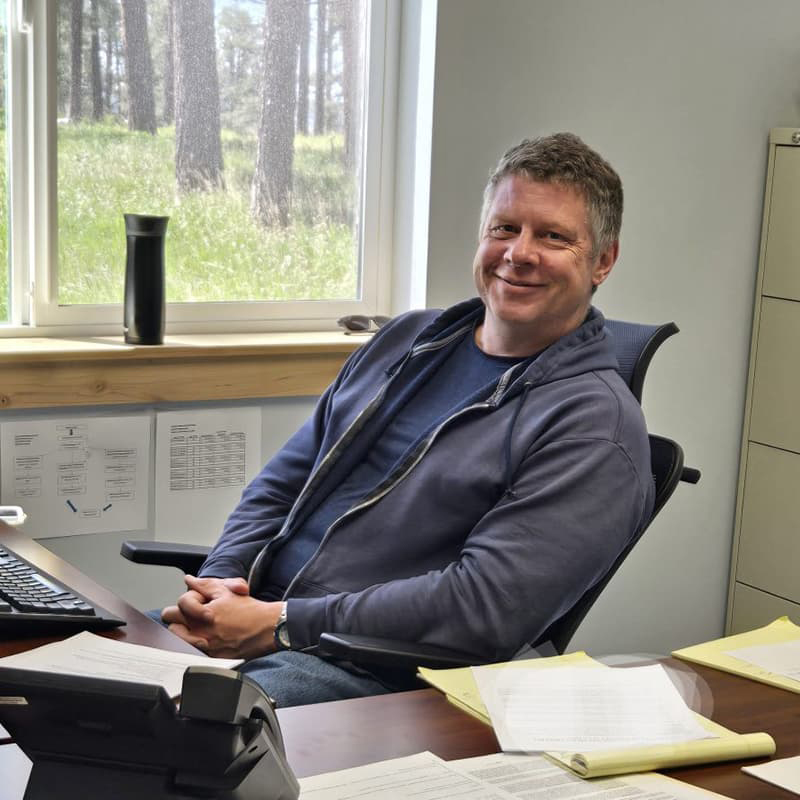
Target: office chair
(635, 344)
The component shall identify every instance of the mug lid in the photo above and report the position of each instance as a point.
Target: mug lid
(145, 224)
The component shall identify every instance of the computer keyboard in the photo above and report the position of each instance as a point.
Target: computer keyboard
(34, 603)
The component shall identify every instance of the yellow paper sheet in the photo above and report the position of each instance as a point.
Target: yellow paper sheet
(460, 688)
(727, 747)
(713, 654)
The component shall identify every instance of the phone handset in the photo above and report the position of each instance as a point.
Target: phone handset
(213, 694)
(223, 695)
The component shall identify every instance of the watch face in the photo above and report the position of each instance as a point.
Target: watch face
(282, 635)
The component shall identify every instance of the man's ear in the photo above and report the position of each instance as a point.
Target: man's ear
(604, 263)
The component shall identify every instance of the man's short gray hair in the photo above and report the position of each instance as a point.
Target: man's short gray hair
(564, 159)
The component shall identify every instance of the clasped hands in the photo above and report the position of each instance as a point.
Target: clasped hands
(218, 616)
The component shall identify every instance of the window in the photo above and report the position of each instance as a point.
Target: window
(4, 218)
(255, 125)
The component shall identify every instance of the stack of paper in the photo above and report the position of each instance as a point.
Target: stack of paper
(98, 657)
(770, 654)
(495, 777)
(459, 686)
(541, 705)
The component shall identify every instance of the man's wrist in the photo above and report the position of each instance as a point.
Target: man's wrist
(282, 631)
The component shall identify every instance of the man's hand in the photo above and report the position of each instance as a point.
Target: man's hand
(218, 616)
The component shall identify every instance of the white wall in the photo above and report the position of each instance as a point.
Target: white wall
(679, 96)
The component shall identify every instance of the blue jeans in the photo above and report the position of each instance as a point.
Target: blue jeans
(294, 678)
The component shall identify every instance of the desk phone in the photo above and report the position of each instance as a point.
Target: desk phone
(93, 739)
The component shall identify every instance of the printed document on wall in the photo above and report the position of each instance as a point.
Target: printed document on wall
(204, 459)
(78, 475)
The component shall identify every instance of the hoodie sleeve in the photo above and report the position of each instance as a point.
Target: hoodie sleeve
(267, 499)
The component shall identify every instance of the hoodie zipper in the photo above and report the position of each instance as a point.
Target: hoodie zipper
(492, 402)
(354, 427)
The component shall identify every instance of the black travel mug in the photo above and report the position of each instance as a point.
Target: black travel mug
(144, 279)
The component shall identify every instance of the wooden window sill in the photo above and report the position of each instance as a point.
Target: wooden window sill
(54, 372)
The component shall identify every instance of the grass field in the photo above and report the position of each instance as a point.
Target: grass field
(214, 250)
(4, 221)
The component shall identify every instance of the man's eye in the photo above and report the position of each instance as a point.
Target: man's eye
(502, 229)
(556, 237)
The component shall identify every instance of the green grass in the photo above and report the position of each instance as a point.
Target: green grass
(214, 250)
(4, 221)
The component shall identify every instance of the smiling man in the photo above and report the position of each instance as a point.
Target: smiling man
(467, 477)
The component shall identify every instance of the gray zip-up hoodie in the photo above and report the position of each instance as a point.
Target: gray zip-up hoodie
(489, 530)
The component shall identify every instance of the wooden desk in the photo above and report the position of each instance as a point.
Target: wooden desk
(347, 733)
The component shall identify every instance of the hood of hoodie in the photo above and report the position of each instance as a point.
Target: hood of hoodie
(588, 348)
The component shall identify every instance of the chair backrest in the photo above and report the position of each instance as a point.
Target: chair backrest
(635, 344)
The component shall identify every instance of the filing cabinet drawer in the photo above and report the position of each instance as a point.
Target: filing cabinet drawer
(782, 256)
(774, 417)
(769, 539)
(754, 609)
(764, 581)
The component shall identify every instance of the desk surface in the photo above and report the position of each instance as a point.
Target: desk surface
(330, 736)
(140, 629)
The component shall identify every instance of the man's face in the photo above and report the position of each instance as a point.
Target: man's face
(534, 268)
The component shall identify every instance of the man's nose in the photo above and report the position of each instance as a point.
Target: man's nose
(522, 250)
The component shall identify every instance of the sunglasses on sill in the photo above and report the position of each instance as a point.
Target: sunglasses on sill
(360, 323)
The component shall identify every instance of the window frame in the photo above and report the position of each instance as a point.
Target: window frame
(33, 198)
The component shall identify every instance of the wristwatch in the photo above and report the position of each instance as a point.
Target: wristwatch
(282, 631)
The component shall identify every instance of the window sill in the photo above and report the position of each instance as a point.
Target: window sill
(52, 372)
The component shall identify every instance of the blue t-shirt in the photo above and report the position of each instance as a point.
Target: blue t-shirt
(466, 372)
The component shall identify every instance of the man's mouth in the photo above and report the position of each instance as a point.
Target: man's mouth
(518, 283)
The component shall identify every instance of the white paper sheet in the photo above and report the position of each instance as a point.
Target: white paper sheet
(98, 657)
(78, 475)
(577, 710)
(423, 776)
(524, 776)
(781, 658)
(783, 772)
(204, 459)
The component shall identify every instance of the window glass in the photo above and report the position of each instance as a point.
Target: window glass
(239, 119)
(4, 216)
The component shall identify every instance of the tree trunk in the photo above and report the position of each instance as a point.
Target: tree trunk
(302, 75)
(76, 62)
(272, 181)
(139, 67)
(319, 85)
(109, 76)
(330, 49)
(169, 66)
(352, 72)
(97, 78)
(198, 145)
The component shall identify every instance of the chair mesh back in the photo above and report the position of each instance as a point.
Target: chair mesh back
(634, 345)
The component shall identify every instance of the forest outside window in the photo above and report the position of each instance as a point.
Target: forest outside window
(255, 125)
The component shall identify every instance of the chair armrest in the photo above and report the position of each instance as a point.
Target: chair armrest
(690, 475)
(188, 557)
(391, 652)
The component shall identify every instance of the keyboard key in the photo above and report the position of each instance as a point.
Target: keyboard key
(28, 596)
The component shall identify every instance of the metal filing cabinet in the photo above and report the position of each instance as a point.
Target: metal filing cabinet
(765, 566)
